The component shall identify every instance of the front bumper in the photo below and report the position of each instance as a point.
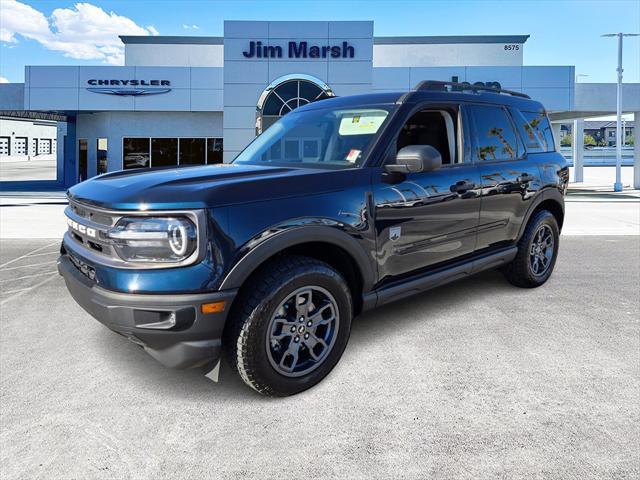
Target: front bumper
(193, 341)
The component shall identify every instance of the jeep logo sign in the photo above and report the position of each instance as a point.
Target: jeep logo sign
(478, 84)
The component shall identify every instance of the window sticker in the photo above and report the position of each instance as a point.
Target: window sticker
(361, 123)
(353, 155)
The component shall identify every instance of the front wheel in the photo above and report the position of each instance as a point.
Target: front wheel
(291, 326)
(537, 252)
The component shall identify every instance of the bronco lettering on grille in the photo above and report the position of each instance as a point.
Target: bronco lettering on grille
(90, 232)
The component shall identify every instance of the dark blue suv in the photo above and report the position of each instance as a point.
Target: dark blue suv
(341, 206)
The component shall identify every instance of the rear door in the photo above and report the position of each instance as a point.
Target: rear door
(509, 181)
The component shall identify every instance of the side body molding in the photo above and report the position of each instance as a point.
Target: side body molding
(296, 236)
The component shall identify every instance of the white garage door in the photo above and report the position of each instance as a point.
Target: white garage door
(44, 146)
(4, 145)
(20, 146)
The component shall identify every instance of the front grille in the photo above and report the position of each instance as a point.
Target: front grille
(92, 214)
(99, 221)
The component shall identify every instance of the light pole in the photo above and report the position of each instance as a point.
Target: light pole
(617, 187)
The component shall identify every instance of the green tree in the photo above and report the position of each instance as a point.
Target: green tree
(589, 141)
(631, 140)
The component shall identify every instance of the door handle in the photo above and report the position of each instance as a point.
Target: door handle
(524, 178)
(462, 187)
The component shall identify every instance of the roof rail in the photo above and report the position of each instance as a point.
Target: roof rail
(459, 87)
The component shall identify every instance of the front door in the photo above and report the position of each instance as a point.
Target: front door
(425, 219)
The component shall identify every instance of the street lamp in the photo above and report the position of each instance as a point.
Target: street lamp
(617, 187)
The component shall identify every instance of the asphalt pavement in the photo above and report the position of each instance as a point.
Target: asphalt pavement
(473, 380)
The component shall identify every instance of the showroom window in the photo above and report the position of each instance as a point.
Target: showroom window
(192, 151)
(136, 153)
(166, 151)
(286, 94)
(214, 150)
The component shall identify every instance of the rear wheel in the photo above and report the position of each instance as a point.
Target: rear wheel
(537, 252)
(290, 327)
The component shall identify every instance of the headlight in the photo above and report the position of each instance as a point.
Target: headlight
(154, 239)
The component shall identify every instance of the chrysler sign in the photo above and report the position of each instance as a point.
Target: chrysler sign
(129, 87)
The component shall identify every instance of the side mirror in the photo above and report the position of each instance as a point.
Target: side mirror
(415, 159)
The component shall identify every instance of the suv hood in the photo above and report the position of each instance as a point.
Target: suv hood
(204, 186)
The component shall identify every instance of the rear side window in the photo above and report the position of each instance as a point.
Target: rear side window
(495, 137)
(535, 130)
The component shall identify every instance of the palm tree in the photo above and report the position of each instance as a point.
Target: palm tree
(483, 152)
(508, 149)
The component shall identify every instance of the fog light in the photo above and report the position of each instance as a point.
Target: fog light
(169, 321)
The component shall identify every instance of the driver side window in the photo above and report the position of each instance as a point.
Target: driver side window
(435, 127)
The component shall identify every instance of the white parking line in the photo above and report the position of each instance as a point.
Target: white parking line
(27, 276)
(55, 252)
(27, 266)
(19, 293)
(28, 254)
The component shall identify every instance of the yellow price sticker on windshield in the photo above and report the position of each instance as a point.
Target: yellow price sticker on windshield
(362, 124)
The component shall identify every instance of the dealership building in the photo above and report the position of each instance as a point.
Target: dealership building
(197, 100)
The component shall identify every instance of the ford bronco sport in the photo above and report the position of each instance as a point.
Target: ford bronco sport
(341, 206)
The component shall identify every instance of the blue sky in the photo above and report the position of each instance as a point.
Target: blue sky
(562, 32)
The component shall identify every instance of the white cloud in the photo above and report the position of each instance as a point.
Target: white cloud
(4, 80)
(190, 27)
(85, 32)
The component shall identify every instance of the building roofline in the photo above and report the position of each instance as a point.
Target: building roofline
(169, 39)
(450, 39)
(425, 40)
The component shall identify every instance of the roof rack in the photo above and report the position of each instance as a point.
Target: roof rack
(454, 86)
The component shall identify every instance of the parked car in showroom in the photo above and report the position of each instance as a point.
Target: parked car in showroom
(341, 206)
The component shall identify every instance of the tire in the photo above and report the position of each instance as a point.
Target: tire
(258, 341)
(522, 271)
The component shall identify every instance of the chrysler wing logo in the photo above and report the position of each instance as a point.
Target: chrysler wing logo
(131, 92)
(132, 88)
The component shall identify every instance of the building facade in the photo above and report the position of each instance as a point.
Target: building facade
(195, 100)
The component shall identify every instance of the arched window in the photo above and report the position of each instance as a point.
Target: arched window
(286, 94)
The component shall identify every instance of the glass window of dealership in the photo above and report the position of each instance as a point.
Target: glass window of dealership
(200, 100)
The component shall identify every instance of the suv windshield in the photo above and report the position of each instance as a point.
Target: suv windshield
(318, 138)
